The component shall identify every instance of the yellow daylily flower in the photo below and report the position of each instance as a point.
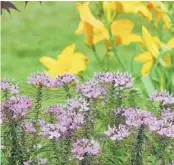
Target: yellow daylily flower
(160, 13)
(88, 22)
(121, 29)
(68, 61)
(153, 46)
(135, 7)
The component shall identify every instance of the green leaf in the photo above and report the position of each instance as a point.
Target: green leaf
(148, 84)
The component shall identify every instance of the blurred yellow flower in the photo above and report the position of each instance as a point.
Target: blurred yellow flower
(88, 22)
(68, 61)
(153, 46)
(96, 31)
(160, 13)
(121, 30)
(135, 7)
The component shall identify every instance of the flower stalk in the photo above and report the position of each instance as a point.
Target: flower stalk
(114, 48)
(96, 56)
(38, 104)
(67, 91)
(136, 158)
(16, 155)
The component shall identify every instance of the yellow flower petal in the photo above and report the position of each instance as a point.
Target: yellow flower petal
(48, 62)
(146, 68)
(80, 28)
(66, 56)
(144, 57)
(167, 21)
(135, 8)
(170, 44)
(167, 60)
(86, 15)
(89, 33)
(122, 26)
(157, 41)
(127, 39)
(78, 63)
(150, 44)
(100, 35)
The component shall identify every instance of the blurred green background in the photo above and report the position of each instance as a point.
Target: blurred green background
(44, 30)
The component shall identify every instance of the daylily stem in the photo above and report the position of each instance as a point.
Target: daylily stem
(114, 48)
(96, 56)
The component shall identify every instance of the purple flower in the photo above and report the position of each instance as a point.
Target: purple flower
(40, 79)
(43, 161)
(117, 133)
(16, 107)
(29, 128)
(116, 79)
(168, 115)
(91, 90)
(163, 98)
(162, 127)
(55, 110)
(104, 78)
(53, 131)
(27, 162)
(85, 147)
(167, 130)
(77, 105)
(8, 86)
(65, 79)
(71, 120)
(155, 125)
(137, 117)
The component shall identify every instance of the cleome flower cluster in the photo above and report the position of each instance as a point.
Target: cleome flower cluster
(70, 130)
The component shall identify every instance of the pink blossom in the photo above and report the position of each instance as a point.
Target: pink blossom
(29, 128)
(85, 147)
(137, 117)
(117, 133)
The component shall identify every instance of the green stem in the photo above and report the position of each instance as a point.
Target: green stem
(137, 158)
(16, 155)
(55, 150)
(5, 95)
(114, 48)
(67, 91)
(162, 146)
(85, 161)
(96, 56)
(66, 151)
(38, 102)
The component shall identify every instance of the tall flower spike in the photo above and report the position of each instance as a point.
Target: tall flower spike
(90, 90)
(163, 98)
(8, 86)
(85, 147)
(40, 79)
(117, 133)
